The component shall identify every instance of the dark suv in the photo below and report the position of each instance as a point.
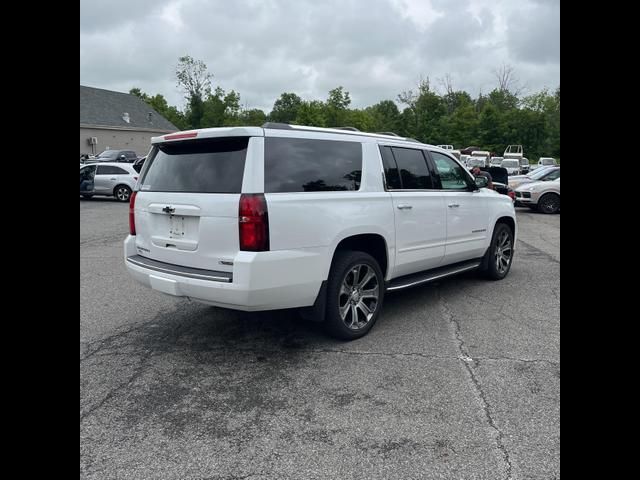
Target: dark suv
(127, 156)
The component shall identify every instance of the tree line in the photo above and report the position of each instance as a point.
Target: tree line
(491, 122)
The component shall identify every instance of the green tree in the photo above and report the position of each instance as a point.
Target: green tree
(285, 108)
(253, 118)
(336, 107)
(311, 113)
(195, 82)
(385, 117)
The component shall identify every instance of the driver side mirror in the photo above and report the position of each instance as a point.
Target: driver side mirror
(482, 182)
(122, 157)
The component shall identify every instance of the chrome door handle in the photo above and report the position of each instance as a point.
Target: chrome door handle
(113, 178)
(454, 205)
(404, 206)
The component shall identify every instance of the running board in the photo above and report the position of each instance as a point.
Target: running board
(431, 275)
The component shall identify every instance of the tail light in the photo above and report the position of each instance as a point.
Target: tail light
(511, 194)
(132, 219)
(253, 222)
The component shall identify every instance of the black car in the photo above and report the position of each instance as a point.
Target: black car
(128, 156)
(137, 165)
(500, 179)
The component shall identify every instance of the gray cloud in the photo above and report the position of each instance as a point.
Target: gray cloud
(374, 48)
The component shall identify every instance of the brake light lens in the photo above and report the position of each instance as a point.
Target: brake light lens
(132, 219)
(178, 136)
(512, 194)
(253, 223)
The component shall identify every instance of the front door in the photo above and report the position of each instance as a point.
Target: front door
(466, 210)
(87, 175)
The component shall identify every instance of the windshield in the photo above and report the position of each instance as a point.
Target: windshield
(475, 162)
(496, 160)
(108, 154)
(510, 164)
(548, 161)
(524, 161)
(538, 173)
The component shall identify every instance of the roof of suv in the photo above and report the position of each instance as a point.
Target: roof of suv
(260, 132)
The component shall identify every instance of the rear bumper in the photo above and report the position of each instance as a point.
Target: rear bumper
(259, 281)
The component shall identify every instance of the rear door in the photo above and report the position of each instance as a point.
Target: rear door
(187, 201)
(420, 216)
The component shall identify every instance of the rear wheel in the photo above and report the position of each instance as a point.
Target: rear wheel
(549, 203)
(122, 193)
(355, 293)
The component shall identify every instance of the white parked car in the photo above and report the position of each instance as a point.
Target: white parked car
(112, 179)
(512, 166)
(325, 220)
(543, 174)
(496, 161)
(544, 162)
(544, 196)
(473, 161)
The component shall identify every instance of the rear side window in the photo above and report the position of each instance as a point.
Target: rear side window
(309, 165)
(111, 170)
(552, 175)
(414, 172)
(390, 169)
(197, 166)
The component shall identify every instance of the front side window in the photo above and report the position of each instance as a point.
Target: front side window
(452, 175)
(310, 165)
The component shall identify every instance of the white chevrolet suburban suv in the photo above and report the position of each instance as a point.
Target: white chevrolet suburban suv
(327, 220)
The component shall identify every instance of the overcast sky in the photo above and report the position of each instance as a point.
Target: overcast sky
(374, 48)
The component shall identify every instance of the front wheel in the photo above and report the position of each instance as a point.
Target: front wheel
(500, 252)
(355, 293)
(122, 193)
(549, 203)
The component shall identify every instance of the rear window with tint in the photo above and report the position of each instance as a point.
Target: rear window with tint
(309, 165)
(197, 166)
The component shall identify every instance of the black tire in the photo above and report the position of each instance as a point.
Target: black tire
(549, 203)
(122, 193)
(343, 272)
(87, 197)
(492, 271)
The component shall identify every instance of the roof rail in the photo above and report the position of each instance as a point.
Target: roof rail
(286, 126)
(277, 125)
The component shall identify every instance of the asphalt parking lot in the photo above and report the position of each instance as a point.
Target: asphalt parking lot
(457, 380)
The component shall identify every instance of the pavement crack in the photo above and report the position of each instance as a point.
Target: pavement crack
(469, 363)
(115, 390)
(541, 253)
